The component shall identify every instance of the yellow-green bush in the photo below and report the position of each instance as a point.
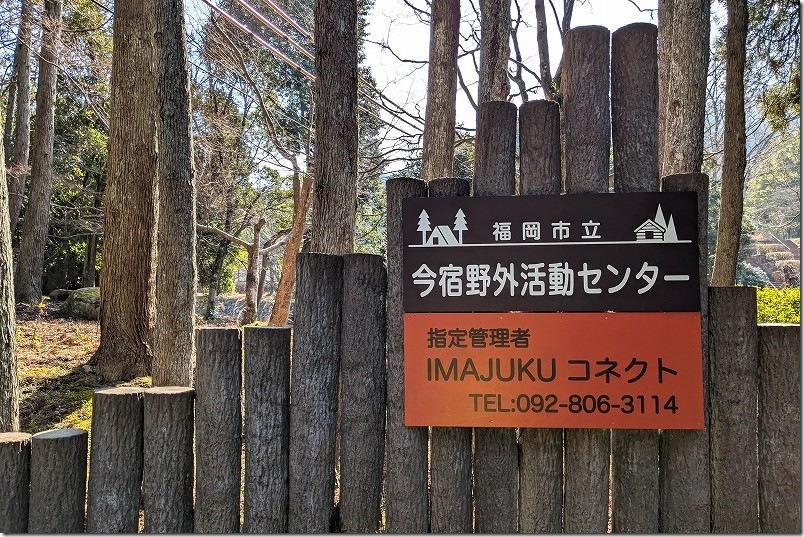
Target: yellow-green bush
(779, 305)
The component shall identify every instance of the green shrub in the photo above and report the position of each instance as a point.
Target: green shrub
(779, 305)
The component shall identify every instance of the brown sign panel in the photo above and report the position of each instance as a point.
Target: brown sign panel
(574, 253)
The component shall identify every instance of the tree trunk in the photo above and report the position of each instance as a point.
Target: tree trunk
(128, 273)
(88, 276)
(31, 260)
(495, 29)
(9, 381)
(731, 189)
(335, 195)
(220, 257)
(21, 140)
(252, 277)
(683, 62)
(176, 259)
(15, 467)
(544, 50)
(11, 102)
(438, 143)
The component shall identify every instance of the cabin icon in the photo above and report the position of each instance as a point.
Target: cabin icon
(657, 229)
(442, 235)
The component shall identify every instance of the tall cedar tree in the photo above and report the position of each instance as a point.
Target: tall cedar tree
(731, 190)
(129, 265)
(176, 263)
(438, 143)
(683, 63)
(495, 32)
(21, 137)
(9, 380)
(31, 260)
(335, 190)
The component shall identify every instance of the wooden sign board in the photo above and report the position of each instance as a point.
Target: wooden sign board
(553, 311)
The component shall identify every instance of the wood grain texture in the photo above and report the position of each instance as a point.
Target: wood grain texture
(450, 447)
(314, 392)
(539, 148)
(779, 429)
(115, 468)
(586, 480)
(684, 490)
(585, 108)
(495, 150)
(362, 448)
(58, 481)
(733, 358)
(15, 467)
(218, 430)
(406, 493)
(266, 378)
(9, 374)
(167, 476)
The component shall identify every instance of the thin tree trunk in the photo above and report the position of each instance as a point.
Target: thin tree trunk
(438, 143)
(683, 62)
(220, 257)
(31, 261)
(495, 29)
(335, 195)
(176, 259)
(128, 273)
(8, 125)
(250, 311)
(731, 190)
(21, 146)
(544, 50)
(88, 273)
(9, 381)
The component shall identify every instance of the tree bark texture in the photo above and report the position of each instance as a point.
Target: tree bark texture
(496, 463)
(176, 261)
(335, 193)
(438, 142)
(450, 447)
(31, 259)
(685, 494)
(495, 150)
(249, 314)
(167, 475)
(544, 50)
(634, 108)
(683, 63)
(730, 222)
(495, 32)
(585, 101)
(406, 481)
(218, 430)
(635, 97)
(11, 101)
(58, 481)
(9, 376)
(779, 429)
(127, 285)
(365, 284)
(15, 467)
(21, 138)
(314, 392)
(115, 470)
(266, 376)
(539, 148)
(540, 450)
(733, 352)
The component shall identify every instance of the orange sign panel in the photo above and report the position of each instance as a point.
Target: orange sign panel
(584, 370)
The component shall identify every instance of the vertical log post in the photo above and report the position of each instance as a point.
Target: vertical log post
(450, 447)
(266, 376)
(585, 84)
(635, 130)
(58, 481)
(406, 500)
(218, 430)
(779, 429)
(365, 285)
(733, 352)
(314, 392)
(540, 450)
(115, 469)
(496, 468)
(167, 475)
(15, 467)
(684, 484)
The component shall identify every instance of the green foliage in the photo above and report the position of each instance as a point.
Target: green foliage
(751, 275)
(779, 305)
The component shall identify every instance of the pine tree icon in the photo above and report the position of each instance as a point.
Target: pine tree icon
(460, 225)
(424, 225)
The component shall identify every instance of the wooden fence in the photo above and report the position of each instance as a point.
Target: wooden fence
(303, 432)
